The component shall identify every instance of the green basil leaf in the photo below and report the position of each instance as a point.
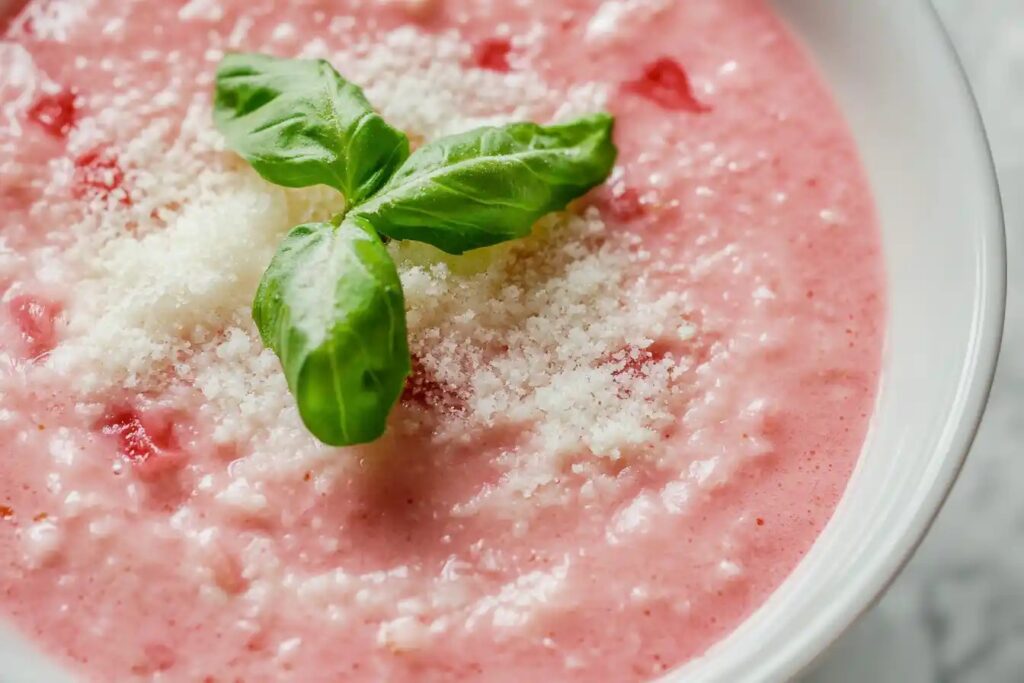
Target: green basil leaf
(331, 306)
(299, 123)
(490, 185)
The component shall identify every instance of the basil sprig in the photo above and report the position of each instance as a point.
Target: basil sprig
(299, 123)
(330, 304)
(490, 185)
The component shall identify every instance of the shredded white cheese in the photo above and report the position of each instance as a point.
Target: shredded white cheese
(551, 334)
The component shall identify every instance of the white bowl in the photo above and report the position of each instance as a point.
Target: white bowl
(905, 96)
(899, 82)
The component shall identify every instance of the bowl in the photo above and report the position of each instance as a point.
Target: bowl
(908, 103)
(905, 96)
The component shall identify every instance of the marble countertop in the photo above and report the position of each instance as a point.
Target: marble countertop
(956, 614)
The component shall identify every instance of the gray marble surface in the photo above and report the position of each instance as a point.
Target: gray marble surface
(956, 614)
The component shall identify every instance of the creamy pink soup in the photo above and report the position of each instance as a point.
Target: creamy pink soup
(621, 435)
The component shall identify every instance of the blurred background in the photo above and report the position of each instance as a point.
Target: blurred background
(956, 614)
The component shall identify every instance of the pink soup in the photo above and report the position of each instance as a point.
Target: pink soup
(621, 435)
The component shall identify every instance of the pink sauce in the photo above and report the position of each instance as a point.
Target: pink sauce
(734, 162)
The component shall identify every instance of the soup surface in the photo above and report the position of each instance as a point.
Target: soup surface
(621, 435)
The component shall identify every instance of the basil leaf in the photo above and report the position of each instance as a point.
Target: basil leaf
(331, 306)
(299, 123)
(491, 184)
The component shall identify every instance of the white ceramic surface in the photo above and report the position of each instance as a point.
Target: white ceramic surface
(956, 613)
(903, 92)
(899, 83)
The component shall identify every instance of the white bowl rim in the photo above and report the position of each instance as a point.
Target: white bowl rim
(980, 368)
(974, 378)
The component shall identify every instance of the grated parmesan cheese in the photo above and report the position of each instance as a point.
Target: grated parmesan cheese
(551, 333)
(546, 334)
